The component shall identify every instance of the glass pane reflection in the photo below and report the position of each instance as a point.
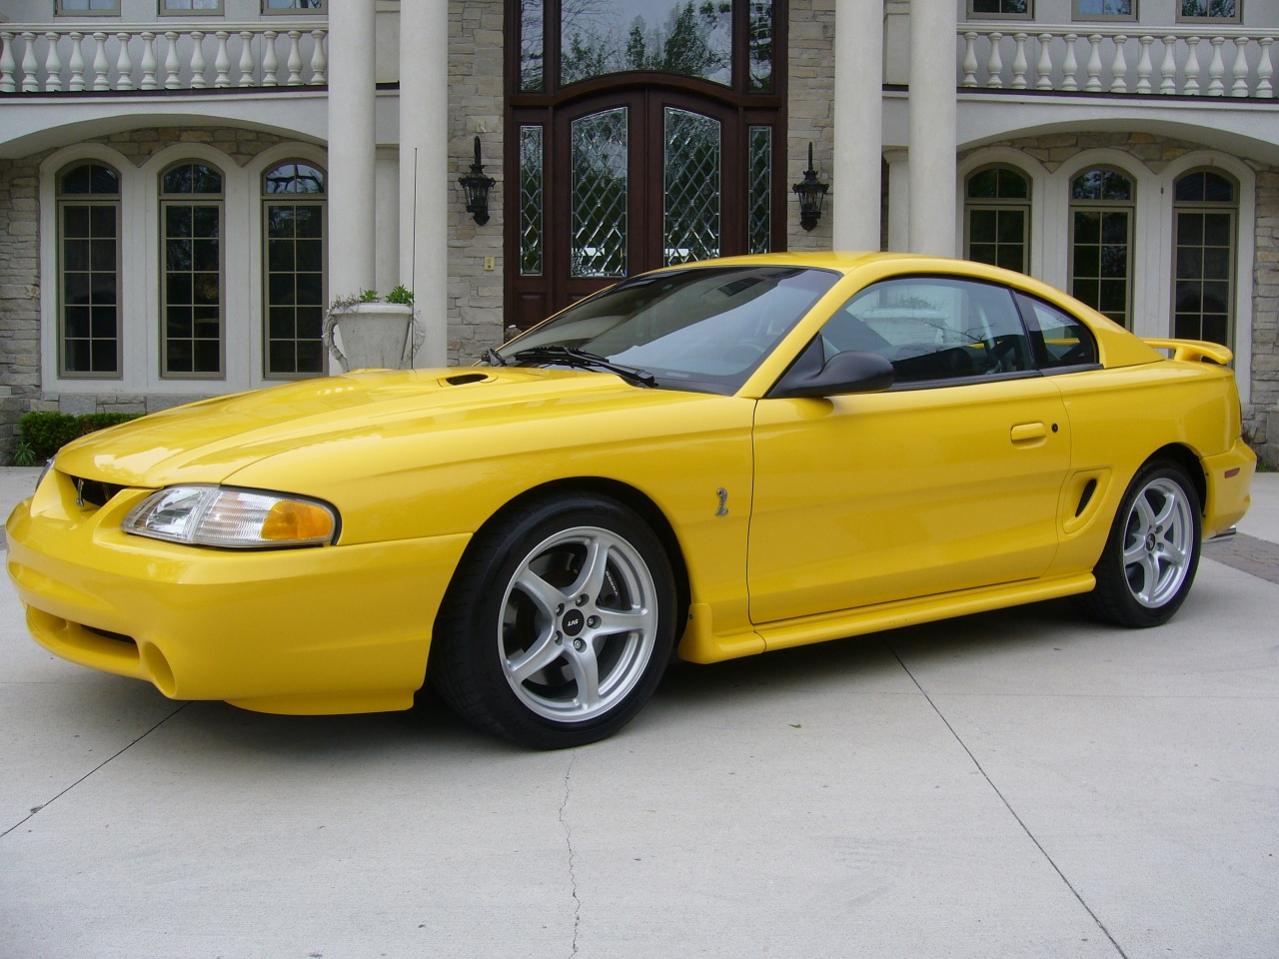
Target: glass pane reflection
(692, 170)
(669, 36)
(599, 168)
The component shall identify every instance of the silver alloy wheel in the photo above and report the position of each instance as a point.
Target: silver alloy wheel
(578, 624)
(1157, 542)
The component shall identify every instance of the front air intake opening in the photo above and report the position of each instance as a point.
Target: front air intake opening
(158, 669)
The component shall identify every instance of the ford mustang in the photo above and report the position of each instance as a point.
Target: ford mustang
(705, 462)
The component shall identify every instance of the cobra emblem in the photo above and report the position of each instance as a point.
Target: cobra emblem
(723, 502)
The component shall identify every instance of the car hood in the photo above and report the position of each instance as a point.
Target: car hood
(207, 442)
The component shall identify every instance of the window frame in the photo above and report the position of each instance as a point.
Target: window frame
(1233, 209)
(968, 379)
(1077, 17)
(1235, 20)
(1104, 206)
(164, 201)
(1025, 304)
(307, 199)
(59, 11)
(266, 11)
(61, 201)
(972, 14)
(163, 12)
(1026, 205)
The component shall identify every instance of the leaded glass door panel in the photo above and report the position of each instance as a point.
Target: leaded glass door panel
(637, 183)
(595, 197)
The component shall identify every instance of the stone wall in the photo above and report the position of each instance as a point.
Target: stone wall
(1054, 149)
(810, 93)
(1265, 319)
(476, 106)
(19, 293)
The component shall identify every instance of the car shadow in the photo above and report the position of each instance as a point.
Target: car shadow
(688, 694)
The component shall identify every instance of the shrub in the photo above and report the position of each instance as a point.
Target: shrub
(43, 433)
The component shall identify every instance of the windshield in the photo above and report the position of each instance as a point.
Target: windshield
(703, 329)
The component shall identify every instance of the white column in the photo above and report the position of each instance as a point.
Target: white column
(424, 170)
(933, 26)
(898, 199)
(858, 107)
(352, 147)
(386, 245)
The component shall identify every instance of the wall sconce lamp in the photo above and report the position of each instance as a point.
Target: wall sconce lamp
(811, 193)
(477, 187)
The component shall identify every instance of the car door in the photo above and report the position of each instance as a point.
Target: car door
(947, 481)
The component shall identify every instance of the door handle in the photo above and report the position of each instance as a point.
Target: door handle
(1028, 434)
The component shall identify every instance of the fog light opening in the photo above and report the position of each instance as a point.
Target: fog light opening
(158, 669)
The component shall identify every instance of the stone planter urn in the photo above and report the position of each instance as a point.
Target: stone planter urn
(369, 336)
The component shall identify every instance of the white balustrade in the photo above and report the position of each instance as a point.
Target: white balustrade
(1119, 67)
(1232, 62)
(1019, 63)
(71, 58)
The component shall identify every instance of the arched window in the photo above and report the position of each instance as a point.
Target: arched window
(997, 218)
(1205, 207)
(1102, 201)
(191, 200)
(293, 294)
(89, 270)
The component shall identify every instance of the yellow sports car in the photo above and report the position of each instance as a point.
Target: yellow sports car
(709, 461)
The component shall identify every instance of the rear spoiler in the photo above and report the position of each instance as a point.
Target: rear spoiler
(1194, 351)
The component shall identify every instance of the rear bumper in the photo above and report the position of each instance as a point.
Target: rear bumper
(324, 630)
(1229, 477)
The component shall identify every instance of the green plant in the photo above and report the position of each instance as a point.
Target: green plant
(400, 295)
(44, 432)
(24, 455)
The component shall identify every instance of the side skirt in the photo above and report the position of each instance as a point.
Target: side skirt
(707, 647)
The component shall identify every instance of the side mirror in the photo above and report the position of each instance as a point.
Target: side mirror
(847, 372)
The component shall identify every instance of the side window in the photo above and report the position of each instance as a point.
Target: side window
(1059, 340)
(933, 328)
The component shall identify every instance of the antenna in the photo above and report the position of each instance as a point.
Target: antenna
(413, 271)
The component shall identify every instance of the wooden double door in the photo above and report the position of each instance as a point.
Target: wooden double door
(616, 184)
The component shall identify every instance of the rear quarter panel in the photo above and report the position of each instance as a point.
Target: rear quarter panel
(1119, 418)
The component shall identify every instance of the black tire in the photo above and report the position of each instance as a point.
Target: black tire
(1148, 587)
(617, 628)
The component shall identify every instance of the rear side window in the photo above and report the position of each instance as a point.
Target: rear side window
(1059, 339)
(933, 328)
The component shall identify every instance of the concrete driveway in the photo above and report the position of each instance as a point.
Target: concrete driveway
(1017, 784)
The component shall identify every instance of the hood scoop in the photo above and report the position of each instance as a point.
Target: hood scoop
(461, 379)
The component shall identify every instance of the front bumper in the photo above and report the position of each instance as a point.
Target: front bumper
(324, 630)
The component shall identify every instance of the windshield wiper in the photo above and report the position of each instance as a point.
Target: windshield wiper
(571, 356)
(493, 358)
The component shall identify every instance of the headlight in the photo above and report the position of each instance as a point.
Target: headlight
(232, 518)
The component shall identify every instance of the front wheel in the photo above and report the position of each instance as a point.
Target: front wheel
(558, 625)
(1152, 553)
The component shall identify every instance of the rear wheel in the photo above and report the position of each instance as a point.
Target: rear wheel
(559, 624)
(1152, 553)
